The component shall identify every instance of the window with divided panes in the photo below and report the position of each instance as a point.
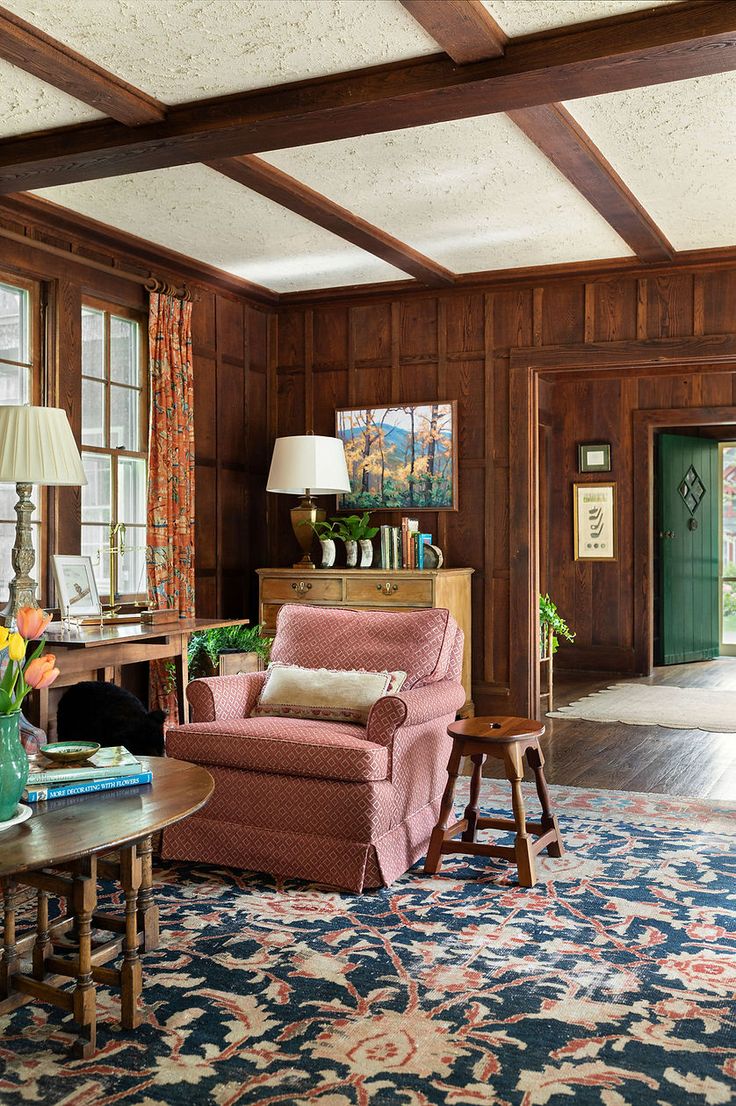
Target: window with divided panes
(114, 441)
(19, 383)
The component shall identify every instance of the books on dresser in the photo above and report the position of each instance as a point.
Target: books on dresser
(403, 546)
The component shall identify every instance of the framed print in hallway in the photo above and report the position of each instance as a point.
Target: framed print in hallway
(594, 457)
(594, 509)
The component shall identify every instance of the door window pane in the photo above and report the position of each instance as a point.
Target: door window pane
(93, 342)
(93, 413)
(123, 351)
(14, 343)
(124, 417)
(97, 492)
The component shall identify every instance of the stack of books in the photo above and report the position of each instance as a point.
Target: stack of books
(403, 546)
(107, 770)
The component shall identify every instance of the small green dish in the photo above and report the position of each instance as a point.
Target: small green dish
(70, 752)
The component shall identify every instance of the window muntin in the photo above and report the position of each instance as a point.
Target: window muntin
(19, 383)
(114, 440)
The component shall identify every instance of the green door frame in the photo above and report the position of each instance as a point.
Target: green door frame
(727, 650)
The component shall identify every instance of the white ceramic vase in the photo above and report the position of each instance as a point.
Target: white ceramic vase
(366, 553)
(328, 552)
(351, 551)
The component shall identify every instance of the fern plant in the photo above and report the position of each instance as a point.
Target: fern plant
(205, 646)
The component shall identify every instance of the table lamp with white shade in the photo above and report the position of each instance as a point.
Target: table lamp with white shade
(307, 465)
(36, 447)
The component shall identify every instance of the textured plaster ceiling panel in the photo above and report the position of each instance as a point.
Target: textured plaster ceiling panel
(27, 104)
(180, 50)
(474, 194)
(202, 214)
(526, 17)
(675, 147)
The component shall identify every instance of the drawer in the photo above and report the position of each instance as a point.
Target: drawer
(269, 611)
(308, 586)
(385, 591)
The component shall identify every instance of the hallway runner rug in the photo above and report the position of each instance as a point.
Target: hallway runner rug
(680, 708)
(610, 983)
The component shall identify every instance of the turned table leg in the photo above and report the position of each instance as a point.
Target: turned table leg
(9, 963)
(42, 946)
(434, 853)
(84, 898)
(535, 759)
(131, 978)
(471, 810)
(147, 906)
(523, 845)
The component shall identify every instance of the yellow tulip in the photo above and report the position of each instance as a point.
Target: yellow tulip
(4, 635)
(16, 647)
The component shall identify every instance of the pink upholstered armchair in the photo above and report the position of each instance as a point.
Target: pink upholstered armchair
(347, 805)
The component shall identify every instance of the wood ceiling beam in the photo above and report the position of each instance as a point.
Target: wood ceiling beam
(552, 130)
(268, 181)
(561, 139)
(464, 29)
(671, 43)
(35, 52)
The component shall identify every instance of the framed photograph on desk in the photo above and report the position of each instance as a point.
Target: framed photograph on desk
(76, 589)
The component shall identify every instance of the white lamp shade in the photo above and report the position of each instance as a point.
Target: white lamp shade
(308, 462)
(37, 447)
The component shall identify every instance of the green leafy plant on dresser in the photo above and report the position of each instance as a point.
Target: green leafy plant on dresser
(205, 647)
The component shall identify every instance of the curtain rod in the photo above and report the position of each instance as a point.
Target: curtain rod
(150, 283)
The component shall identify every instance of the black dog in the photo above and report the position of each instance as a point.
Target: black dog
(96, 711)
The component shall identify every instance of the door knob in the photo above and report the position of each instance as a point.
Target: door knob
(666, 533)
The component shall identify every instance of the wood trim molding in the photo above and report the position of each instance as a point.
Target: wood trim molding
(32, 50)
(527, 366)
(645, 423)
(267, 180)
(672, 42)
(464, 29)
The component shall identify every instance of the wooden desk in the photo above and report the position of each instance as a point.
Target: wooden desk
(62, 851)
(99, 652)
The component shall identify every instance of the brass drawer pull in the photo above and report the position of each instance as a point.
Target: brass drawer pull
(387, 588)
(301, 587)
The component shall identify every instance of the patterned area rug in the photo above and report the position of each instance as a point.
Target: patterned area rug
(611, 982)
(680, 708)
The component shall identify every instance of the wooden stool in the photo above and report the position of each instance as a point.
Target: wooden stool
(506, 739)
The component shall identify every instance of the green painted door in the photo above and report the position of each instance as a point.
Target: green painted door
(687, 533)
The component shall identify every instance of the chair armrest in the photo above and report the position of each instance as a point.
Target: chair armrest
(413, 708)
(222, 698)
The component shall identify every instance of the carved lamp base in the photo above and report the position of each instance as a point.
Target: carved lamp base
(22, 586)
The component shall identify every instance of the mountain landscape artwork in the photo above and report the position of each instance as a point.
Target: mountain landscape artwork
(401, 457)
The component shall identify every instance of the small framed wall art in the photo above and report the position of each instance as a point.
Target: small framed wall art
(76, 589)
(594, 508)
(595, 457)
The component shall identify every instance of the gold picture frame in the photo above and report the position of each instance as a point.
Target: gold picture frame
(595, 525)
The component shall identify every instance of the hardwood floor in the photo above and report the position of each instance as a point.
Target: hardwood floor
(641, 758)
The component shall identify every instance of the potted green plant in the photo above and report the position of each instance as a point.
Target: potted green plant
(245, 647)
(552, 624)
(326, 534)
(356, 531)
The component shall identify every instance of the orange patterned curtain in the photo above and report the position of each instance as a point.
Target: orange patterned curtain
(170, 474)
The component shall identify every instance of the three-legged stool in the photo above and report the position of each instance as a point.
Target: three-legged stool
(508, 740)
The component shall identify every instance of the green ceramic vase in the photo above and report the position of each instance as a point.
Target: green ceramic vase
(13, 765)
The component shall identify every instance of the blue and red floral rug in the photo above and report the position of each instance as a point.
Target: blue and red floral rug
(611, 982)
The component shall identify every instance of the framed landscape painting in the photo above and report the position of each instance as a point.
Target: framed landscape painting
(402, 457)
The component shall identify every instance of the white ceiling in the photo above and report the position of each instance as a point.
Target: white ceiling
(198, 212)
(473, 195)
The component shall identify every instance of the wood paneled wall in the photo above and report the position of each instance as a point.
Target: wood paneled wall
(456, 345)
(230, 340)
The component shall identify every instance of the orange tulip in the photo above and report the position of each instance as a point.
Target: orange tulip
(41, 672)
(32, 621)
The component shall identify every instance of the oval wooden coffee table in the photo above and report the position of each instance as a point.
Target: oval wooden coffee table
(61, 851)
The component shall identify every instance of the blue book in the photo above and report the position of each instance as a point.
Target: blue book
(84, 787)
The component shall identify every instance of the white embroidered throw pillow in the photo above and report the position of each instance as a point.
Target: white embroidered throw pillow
(321, 693)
